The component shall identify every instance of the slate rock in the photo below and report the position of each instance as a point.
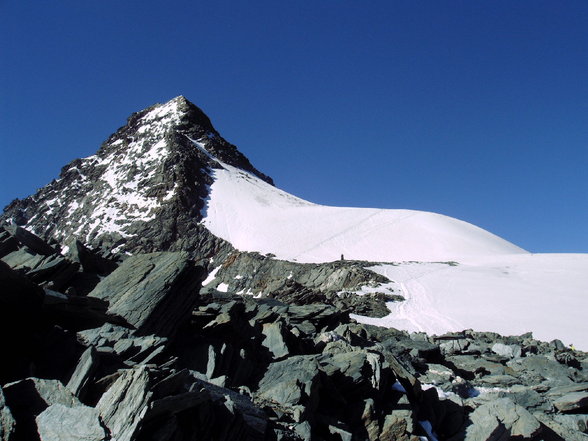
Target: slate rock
(536, 368)
(63, 423)
(567, 430)
(82, 376)
(510, 351)
(453, 346)
(75, 312)
(291, 382)
(501, 419)
(358, 371)
(125, 403)
(90, 261)
(275, 339)
(30, 240)
(469, 366)
(152, 292)
(573, 402)
(400, 424)
(7, 422)
(123, 342)
(28, 398)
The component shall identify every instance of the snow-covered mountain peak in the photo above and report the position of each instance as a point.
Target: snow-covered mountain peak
(167, 180)
(149, 170)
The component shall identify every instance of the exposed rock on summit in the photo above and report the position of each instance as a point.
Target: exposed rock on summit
(143, 190)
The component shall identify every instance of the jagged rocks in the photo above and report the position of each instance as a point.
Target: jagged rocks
(153, 292)
(125, 403)
(574, 402)
(81, 377)
(63, 423)
(29, 398)
(7, 422)
(292, 384)
(502, 419)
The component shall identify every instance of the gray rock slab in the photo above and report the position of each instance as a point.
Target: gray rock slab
(30, 240)
(510, 351)
(566, 429)
(291, 382)
(63, 423)
(82, 375)
(574, 402)
(275, 339)
(501, 419)
(153, 292)
(476, 366)
(535, 368)
(123, 406)
(30, 397)
(6, 420)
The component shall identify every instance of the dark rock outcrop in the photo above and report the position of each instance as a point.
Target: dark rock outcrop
(154, 293)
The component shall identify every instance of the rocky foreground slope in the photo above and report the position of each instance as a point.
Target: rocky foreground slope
(124, 317)
(146, 356)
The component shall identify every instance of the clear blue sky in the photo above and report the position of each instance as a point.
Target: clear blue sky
(474, 109)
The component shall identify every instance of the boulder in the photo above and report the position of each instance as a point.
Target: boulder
(573, 402)
(501, 419)
(509, 351)
(399, 425)
(124, 404)
(292, 382)
(275, 339)
(355, 373)
(153, 293)
(80, 379)
(7, 422)
(565, 427)
(535, 369)
(63, 423)
(30, 240)
(30, 397)
(89, 260)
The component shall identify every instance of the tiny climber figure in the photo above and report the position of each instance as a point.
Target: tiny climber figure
(342, 257)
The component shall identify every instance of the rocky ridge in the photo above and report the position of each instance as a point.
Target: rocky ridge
(145, 191)
(124, 318)
(180, 363)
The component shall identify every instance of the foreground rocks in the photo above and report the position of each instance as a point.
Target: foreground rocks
(143, 355)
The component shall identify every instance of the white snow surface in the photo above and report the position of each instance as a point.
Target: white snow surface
(492, 286)
(540, 293)
(255, 216)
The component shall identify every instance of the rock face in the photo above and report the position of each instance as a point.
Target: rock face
(62, 423)
(152, 292)
(102, 345)
(239, 368)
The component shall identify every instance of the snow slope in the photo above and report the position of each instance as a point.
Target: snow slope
(511, 295)
(494, 286)
(254, 216)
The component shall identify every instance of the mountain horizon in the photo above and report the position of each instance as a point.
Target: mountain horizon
(168, 181)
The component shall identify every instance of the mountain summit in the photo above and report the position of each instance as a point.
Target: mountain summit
(167, 174)
(143, 190)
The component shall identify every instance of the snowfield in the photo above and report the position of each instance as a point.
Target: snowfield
(255, 216)
(492, 286)
(541, 293)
